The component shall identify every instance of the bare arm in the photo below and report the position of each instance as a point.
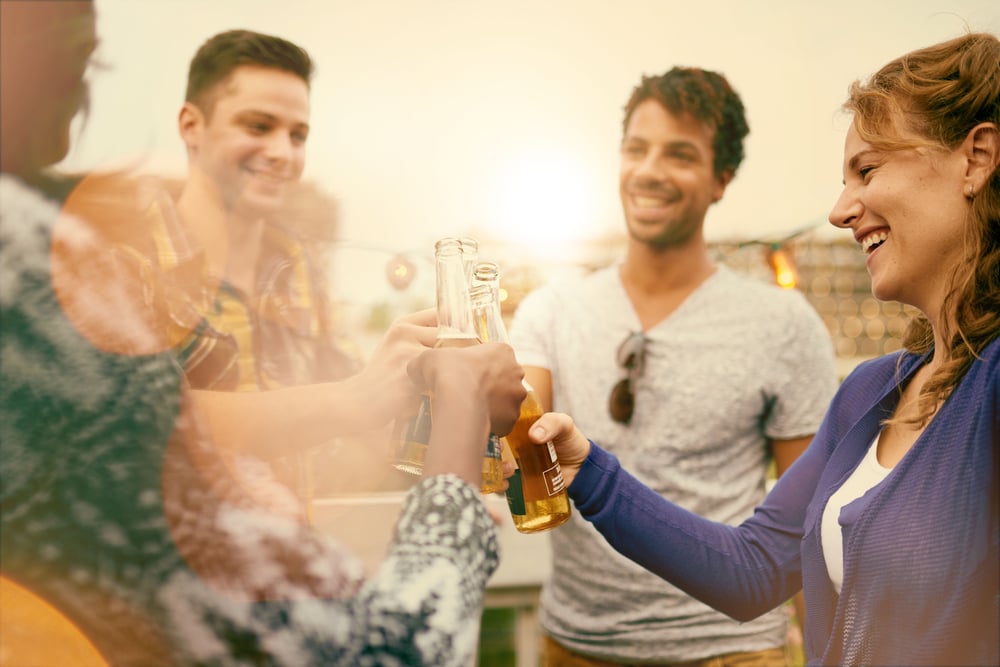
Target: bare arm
(275, 423)
(540, 380)
(476, 390)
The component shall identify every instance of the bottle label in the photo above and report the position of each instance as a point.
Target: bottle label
(554, 482)
(515, 494)
(493, 447)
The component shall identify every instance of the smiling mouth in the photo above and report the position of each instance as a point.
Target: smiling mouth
(274, 179)
(873, 241)
(647, 201)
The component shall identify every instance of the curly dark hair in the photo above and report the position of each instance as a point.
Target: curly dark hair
(221, 54)
(706, 96)
(939, 93)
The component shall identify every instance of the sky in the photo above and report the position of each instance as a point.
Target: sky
(502, 120)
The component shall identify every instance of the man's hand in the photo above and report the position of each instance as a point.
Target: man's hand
(476, 390)
(384, 381)
(490, 371)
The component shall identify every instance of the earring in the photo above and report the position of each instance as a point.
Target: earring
(972, 191)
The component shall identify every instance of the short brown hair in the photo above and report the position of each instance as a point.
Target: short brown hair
(216, 59)
(707, 97)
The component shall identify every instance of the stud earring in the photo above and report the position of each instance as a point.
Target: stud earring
(972, 191)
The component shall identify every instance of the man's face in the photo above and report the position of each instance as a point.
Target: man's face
(666, 179)
(251, 142)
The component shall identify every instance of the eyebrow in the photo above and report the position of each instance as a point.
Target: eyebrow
(852, 164)
(670, 145)
(257, 113)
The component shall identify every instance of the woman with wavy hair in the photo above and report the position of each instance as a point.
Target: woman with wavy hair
(889, 521)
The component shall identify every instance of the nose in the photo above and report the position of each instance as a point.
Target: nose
(650, 167)
(280, 147)
(846, 210)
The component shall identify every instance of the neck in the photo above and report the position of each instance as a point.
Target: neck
(657, 271)
(658, 280)
(231, 240)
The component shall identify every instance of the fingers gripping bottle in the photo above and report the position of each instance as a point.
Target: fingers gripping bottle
(411, 432)
(537, 493)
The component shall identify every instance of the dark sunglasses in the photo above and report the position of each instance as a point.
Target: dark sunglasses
(631, 356)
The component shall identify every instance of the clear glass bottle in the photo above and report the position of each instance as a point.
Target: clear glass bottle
(411, 432)
(536, 494)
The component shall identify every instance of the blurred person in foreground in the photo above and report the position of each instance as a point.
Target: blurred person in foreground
(123, 540)
(889, 521)
(697, 377)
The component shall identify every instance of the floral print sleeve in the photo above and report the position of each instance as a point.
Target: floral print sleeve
(423, 606)
(116, 511)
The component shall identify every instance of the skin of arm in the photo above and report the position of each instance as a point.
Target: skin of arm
(540, 380)
(476, 391)
(267, 423)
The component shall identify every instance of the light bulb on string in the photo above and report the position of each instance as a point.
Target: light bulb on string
(779, 258)
(400, 271)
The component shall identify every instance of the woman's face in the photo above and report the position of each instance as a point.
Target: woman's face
(48, 47)
(907, 210)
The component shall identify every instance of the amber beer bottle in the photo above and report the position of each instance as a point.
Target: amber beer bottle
(536, 493)
(411, 432)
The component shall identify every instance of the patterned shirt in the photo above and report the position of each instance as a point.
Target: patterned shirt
(115, 509)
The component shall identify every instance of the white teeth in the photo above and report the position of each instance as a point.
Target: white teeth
(873, 240)
(649, 202)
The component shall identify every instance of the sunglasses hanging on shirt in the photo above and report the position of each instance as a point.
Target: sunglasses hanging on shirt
(631, 357)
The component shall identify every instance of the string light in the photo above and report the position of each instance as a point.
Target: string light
(779, 258)
(400, 271)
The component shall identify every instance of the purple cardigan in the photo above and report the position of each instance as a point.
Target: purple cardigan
(921, 548)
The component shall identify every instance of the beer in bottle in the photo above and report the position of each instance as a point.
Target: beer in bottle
(411, 433)
(536, 493)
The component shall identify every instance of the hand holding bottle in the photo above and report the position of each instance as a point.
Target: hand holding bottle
(572, 447)
(477, 390)
(384, 381)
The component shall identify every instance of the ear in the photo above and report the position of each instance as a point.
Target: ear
(721, 183)
(982, 153)
(190, 122)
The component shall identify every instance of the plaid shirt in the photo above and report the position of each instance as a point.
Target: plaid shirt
(282, 336)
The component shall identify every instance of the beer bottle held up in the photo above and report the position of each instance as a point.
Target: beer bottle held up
(536, 493)
(411, 432)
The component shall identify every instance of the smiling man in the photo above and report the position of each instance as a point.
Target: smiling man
(695, 376)
(267, 322)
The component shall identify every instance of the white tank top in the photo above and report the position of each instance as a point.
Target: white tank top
(866, 476)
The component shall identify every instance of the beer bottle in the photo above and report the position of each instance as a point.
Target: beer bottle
(411, 433)
(536, 493)
(470, 255)
(487, 273)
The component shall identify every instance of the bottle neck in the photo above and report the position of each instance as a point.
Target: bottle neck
(486, 315)
(453, 313)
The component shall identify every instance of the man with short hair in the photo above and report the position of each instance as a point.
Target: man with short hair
(245, 122)
(267, 319)
(694, 376)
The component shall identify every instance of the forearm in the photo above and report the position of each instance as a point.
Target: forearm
(742, 571)
(459, 418)
(277, 422)
(425, 600)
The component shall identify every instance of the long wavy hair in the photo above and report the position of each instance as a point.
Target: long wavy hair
(940, 93)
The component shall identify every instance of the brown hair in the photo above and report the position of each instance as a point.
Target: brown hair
(216, 59)
(940, 93)
(707, 97)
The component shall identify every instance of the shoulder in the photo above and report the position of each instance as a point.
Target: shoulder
(754, 293)
(577, 287)
(874, 375)
(27, 221)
